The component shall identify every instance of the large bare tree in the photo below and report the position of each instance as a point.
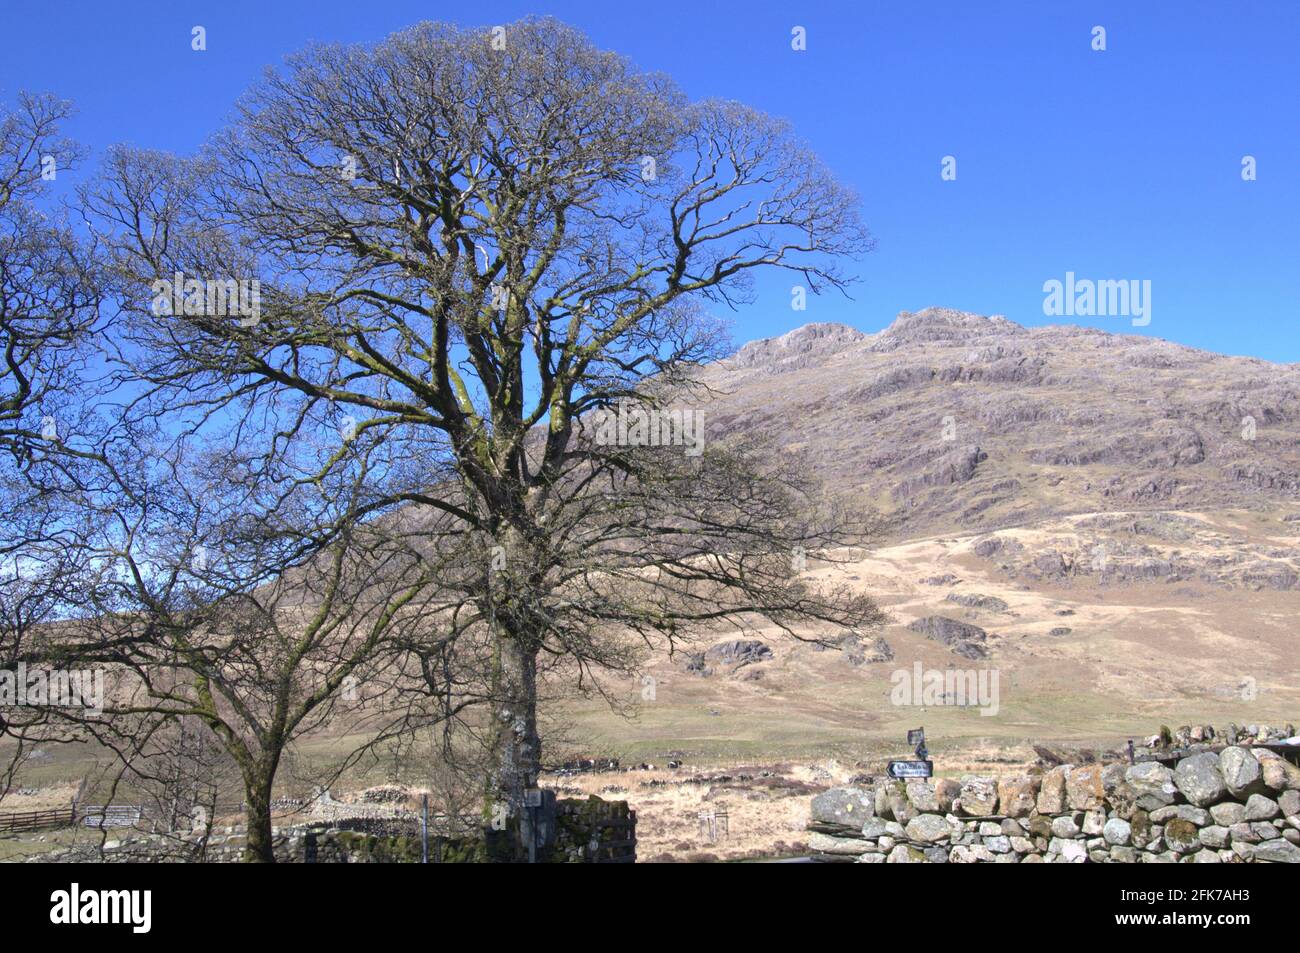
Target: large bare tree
(477, 241)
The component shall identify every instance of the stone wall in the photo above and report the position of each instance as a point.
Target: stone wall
(586, 831)
(1235, 804)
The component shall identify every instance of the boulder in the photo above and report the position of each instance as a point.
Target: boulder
(1018, 796)
(1241, 773)
(826, 844)
(1182, 836)
(1214, 836)
(979, 796)
(1278, 852)
(875, 827)
(891, 801)
(1117, 832)
(1051, 795)
(1289, 802)
(999, 844)
(1185, 812)
(1084, 789)
(843, 807)
(1260, 808)
(1153, 784)
(1072, 852)
(1140, 826)
(738, 653)
(1277, 773)
(1243, 833)
(946, 791)
(903, 854)
(927, 828)
(921, 795)
(1228, 813)
(1198, 779)
(1064, 827)
(973, 854)
(963, 638)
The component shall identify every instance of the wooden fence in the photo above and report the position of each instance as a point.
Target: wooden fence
(37, 820)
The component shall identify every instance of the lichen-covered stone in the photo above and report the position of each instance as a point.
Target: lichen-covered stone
(1117, 832)
(843, 807)
(1198, 779)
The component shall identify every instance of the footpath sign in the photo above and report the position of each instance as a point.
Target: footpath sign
(920, 768)
(911, 769)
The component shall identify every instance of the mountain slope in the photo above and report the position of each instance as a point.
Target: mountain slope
(950, 421)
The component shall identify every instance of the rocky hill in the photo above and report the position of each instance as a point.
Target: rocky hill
(1110, 523)
(950, 421)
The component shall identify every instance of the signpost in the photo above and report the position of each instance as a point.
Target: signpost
(532, 801)
(921, 768)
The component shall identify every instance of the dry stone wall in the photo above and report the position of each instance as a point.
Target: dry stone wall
(1238, 804)
(586, 831)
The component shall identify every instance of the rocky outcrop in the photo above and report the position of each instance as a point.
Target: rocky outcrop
(963, 638)
(864, 649)
(973, 600)
(731, 656)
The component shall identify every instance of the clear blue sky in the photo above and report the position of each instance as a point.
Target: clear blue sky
(1114, 165)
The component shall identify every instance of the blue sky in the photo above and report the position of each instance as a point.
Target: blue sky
(1122, 164)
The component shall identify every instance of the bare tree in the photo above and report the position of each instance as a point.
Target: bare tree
(50, 291)
(258, 608)
(477, 242)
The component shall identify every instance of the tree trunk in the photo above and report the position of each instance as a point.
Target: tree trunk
(258, 848)
(517, 747)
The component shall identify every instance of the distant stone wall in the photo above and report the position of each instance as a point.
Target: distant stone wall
(586, 831)
(1237, 804)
